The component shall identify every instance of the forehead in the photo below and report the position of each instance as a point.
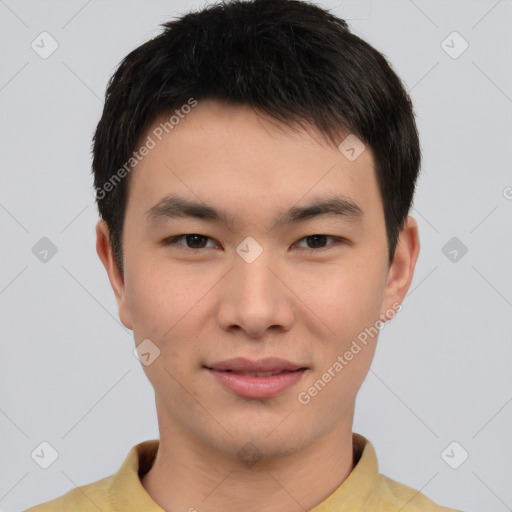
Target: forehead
(228, 155)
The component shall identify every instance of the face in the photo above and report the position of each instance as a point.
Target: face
(253, 280)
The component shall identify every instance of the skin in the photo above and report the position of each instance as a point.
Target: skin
(295, 301)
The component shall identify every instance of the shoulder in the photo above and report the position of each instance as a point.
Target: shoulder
(397, 496)
(90, 497)
(113, 492)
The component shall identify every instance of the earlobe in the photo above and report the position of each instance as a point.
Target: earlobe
(106, 255)
(401, 270)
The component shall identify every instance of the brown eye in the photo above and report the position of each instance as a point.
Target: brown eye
(192, 241)
(319, 241)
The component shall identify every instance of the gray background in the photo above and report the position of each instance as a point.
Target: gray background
(442, 368)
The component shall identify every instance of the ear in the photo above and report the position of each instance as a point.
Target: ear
(401, 270)
(106, 254)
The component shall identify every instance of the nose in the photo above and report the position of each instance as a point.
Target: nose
(256, 298)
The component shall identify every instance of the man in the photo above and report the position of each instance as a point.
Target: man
(254, 169)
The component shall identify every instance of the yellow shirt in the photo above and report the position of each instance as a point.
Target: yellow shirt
(364, 490)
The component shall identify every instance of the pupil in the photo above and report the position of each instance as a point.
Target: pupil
(316, 237)
(192, 237)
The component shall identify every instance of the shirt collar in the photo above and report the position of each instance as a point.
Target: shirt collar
(127, 492)
(362, 481)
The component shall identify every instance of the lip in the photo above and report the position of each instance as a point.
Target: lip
(268, 364)
(286, 375)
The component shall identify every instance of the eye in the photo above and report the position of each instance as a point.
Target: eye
(192, 240)
(197, 241)
(318, 241)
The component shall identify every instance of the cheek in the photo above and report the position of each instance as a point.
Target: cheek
(162, 309)
(345, 297)
(167, 303)
(155, 294)
(348, 302)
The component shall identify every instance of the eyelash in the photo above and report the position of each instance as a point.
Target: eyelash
(173, 240)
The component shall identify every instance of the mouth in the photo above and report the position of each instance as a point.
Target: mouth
(258, 374)
(265, 378)
(269, 364)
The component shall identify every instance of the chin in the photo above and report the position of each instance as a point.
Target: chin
(261, 442)
(251, 450)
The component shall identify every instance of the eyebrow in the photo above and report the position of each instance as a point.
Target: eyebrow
(179, 207)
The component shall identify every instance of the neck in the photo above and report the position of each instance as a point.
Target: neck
(188, 475)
